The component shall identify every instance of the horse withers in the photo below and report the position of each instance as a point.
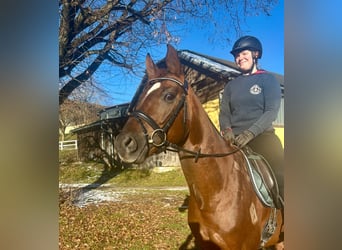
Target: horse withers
(224, 212)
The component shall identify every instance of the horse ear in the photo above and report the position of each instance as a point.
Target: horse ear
(172, 61)
(150, 67)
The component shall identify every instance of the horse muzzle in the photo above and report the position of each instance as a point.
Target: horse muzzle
(131, 147)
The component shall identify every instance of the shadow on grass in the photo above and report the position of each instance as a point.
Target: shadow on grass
(186, 244)
(112, 167)
(189, 242)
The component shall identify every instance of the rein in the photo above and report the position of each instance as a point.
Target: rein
(198, 154)
(161, 133)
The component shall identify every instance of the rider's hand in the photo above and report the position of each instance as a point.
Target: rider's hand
(242, 139)
(228, 135)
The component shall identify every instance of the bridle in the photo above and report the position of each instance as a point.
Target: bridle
(161, 132)
(158, 131)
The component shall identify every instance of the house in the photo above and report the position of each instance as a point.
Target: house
(96, 140)
(207, 76)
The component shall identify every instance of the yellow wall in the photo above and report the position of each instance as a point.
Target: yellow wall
(280, 133)
(212, 108)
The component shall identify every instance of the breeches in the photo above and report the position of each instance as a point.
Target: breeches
(269, 146)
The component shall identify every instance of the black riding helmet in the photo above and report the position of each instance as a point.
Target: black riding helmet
(247, 43)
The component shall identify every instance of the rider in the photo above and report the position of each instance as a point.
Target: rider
(249, 105)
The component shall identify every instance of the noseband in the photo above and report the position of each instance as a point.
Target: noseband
(159, 132)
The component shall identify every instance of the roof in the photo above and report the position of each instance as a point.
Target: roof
(114, 123)
(116, 115)
(116, 111)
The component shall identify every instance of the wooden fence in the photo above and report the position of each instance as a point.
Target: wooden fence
(66, 145)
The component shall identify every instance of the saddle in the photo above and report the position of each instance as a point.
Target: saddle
(263, 178)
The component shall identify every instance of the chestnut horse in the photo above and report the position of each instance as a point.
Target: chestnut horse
(165, 114)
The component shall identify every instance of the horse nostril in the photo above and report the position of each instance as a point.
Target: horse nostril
(126, 141)
(129, 143)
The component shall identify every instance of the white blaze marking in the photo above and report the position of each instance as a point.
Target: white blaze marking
(154, 87)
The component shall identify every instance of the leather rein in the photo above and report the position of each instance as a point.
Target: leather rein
(161, 132)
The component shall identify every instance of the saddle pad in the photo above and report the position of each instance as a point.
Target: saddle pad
(258, 184)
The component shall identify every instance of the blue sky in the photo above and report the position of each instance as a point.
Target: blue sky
(269, 29)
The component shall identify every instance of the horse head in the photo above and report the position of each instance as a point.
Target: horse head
(157, 113)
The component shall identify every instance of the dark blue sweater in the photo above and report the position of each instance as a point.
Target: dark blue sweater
(250, 102)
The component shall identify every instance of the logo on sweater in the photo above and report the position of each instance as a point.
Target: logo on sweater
(255, 89)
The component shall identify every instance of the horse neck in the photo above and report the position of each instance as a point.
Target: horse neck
(202, 132)
(204, 138)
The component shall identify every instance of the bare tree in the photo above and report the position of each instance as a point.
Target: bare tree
(78, 109)
(89, 91)
(67, 117)
(92, 32)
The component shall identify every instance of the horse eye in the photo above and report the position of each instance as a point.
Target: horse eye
(169, 97)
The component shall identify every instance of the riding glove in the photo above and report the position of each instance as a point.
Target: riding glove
(228, 135)
(243, 138)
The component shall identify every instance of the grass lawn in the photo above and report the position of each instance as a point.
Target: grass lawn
(71, 171)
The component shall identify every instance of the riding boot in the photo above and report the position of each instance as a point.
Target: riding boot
(280, 182)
